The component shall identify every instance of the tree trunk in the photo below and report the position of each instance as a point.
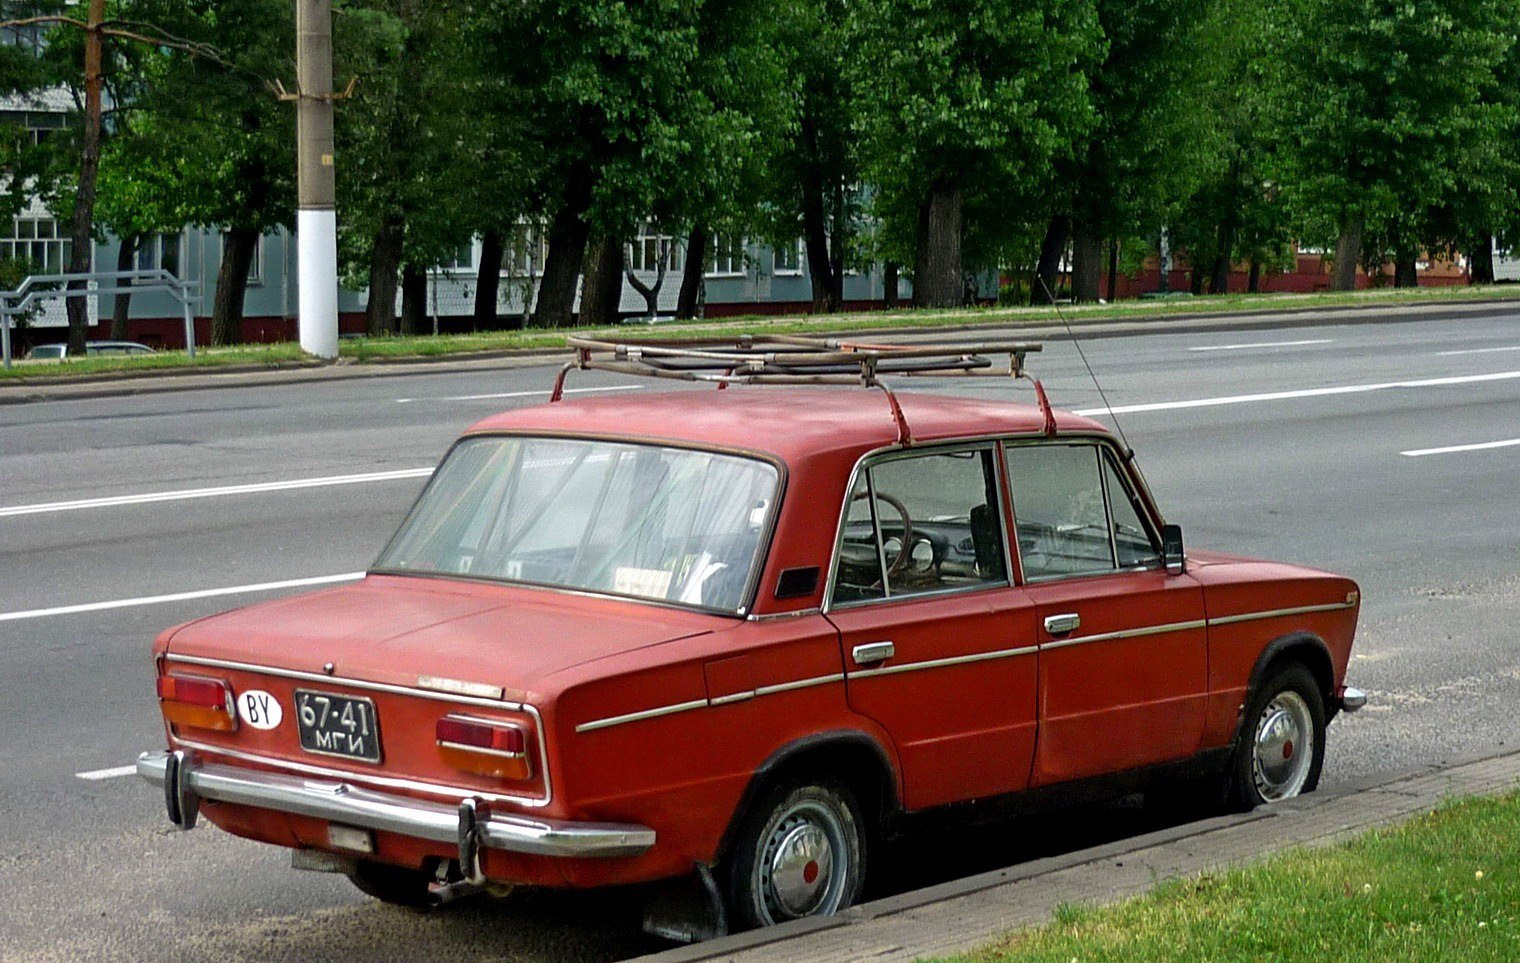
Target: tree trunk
(567, 249)
(488, 280)
(889, 274)
(121, 312)
(650, 292)
(1086, 264)
(1113, 270)
(937, 264)
(696, 267)
(815, 230)
(1046, 280)
(1482, 260)
(1219, 279)
(414, 289)
(82, 225)
(1195, 280)
(1348, 251)
(602, 288)
(1253, 282)
(1405, 273)
(238, 246)
(384, 263)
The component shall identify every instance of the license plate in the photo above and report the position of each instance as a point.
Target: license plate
(338, 725)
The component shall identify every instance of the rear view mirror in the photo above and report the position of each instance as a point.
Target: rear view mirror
(1172, 555)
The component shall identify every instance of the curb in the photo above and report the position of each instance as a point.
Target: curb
(115, 384)
(792, 940)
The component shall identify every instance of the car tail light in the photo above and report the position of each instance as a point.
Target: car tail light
(196, 701)
(488, 747)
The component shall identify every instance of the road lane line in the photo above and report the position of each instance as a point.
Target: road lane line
(1447, 354)
(1302, 393)
(517, 394)
(1481, 446)
(1260, 344)
(185, 493)
(179, 597)
(116, 772)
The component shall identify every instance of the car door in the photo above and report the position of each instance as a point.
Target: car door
(1123, 645)
(938, 644)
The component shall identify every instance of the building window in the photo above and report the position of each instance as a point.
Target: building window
(787, 258)
(726, 259)
(256, 264)
(462, 258)
(526, 250)
(644, 252)
(38, 240)
(160, 251)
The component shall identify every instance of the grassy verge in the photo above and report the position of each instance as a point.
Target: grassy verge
(1445, 886)
(399, 348)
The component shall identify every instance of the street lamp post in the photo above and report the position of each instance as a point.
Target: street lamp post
(316, 217)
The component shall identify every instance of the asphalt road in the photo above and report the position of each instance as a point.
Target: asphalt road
(1291, 443)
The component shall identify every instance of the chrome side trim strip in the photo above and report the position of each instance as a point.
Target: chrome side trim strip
(344, 681)
(1127, 634)
(1277, 613)
(939, 663)
(731, 698)
(642, 714)
(799, 684)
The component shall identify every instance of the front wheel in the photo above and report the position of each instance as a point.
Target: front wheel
(800, 852)
(1282, 739)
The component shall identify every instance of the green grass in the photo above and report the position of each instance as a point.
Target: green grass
(379, 350)
(1445, 886)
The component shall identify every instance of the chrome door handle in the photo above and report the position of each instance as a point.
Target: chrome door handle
(873, 652)
(1062, 624)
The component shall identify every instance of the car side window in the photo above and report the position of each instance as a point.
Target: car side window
(1073, 513)
(925, 523)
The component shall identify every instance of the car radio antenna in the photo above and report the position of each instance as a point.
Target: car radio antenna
(1113, 415)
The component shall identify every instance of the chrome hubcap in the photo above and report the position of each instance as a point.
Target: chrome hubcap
(801, 871)
(1283, 749)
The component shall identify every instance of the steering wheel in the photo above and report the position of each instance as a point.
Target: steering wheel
(905, 549)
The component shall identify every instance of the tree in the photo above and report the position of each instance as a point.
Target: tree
(962, 111)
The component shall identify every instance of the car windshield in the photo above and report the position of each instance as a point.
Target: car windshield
(671, 524)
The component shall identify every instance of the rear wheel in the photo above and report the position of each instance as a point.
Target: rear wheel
(1282, 739)
(800, 852)
(394, 884)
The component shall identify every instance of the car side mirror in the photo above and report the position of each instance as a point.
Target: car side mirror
(1172, 554)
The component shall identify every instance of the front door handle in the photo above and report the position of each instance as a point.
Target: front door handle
(873, 652)
(1064, 624)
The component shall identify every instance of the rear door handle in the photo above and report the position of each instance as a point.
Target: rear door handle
(1064, 624)
(873, 652)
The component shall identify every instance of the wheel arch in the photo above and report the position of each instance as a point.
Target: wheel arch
(853, 757)
(1304, 648)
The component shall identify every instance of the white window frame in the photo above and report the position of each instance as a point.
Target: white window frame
(792, 270)
(726, 268)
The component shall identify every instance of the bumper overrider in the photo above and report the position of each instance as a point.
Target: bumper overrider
(469, 825)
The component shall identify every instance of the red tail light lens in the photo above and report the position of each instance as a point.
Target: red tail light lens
(197, 702)
(491, 748)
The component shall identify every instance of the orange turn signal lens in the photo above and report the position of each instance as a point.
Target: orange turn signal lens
(197, 702)
(498, 749)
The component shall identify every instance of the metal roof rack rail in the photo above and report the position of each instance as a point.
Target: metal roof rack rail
(790, 359)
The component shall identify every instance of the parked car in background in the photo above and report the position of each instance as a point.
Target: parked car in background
(60, 351)
(735, 638)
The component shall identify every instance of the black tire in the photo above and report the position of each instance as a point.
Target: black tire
(1270, 763)
(394, 884)
(799, 852)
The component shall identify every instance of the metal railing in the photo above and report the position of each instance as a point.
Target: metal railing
(32, 292)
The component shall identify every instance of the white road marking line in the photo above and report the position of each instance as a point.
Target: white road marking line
(1482, 446)
(1261, 344)
(178, 597)
(95, 775)
(1302, 393)
(184, 493)
(517, 394)
(1447, 354)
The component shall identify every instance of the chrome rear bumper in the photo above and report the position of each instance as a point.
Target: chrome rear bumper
(186, 781)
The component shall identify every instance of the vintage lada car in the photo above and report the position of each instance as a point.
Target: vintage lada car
(731, 638)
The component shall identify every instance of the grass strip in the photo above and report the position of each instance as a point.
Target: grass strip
(1444, 886)
(400, 348)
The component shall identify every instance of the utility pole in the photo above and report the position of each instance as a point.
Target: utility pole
(316, 214)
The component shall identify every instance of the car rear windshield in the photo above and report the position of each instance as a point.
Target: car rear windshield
(671, 524)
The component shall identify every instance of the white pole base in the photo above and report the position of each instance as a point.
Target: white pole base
(317, 281)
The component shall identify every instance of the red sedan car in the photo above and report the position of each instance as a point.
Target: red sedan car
(732, 637)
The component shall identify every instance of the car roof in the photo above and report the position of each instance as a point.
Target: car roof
(788, 423)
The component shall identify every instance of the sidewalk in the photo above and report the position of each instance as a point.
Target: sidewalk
(957, 916)
(192, 379)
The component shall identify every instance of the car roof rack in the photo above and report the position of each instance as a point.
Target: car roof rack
(791, 359)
